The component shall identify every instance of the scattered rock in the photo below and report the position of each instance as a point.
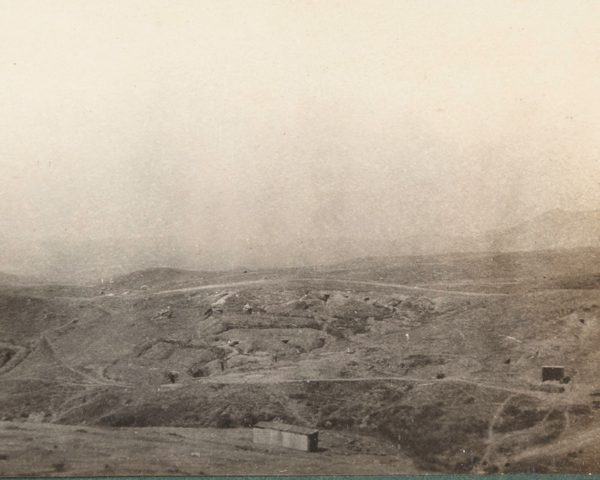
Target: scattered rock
(165, 313)
(37, 417)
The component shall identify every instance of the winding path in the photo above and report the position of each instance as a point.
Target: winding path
(336, 280)
(428, 381)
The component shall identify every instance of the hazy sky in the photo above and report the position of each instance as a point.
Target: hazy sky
(230, 122)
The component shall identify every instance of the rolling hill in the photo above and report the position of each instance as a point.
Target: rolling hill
(60, 260)
(437, 358)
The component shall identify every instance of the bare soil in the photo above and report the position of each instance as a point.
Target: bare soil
(408, 365)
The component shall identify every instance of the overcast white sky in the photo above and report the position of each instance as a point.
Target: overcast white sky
(253, 121)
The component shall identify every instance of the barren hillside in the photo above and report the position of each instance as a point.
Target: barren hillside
(431, 362)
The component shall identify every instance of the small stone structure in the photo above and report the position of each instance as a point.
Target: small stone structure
(288, 436)
(552, 373)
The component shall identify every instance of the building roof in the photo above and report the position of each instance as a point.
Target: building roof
(286, 428)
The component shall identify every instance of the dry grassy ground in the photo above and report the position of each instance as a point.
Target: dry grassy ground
(34, 449)
(407, 365)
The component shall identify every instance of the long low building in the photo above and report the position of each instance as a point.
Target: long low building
(288, 436)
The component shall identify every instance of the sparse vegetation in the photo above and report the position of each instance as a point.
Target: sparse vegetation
(425, 372)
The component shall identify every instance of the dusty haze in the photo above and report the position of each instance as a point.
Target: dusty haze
(234, 132)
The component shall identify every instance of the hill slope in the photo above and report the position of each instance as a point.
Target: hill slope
(60, 260)
(432, 356)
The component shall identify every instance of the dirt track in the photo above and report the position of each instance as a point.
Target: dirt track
(221, 285)
(428, 381)
(357, 282)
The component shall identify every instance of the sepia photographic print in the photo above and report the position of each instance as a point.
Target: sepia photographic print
(299, 237)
